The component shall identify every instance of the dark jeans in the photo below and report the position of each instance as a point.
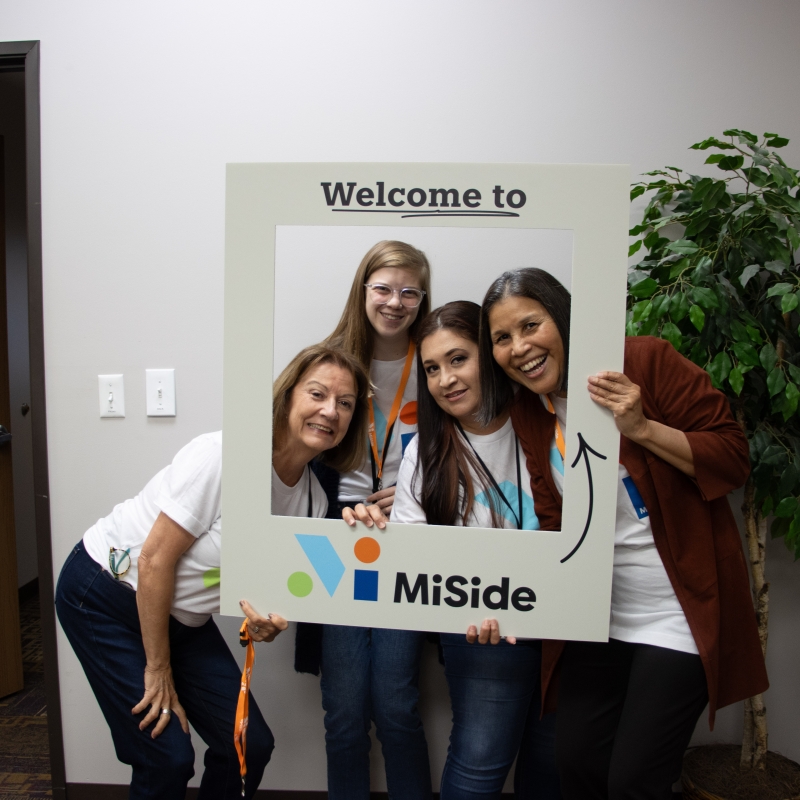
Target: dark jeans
(101, 620)
(495, 695)
(626, 713)
(372, 674)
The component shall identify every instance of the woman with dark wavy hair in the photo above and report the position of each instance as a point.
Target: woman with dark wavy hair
(461, 471)
(682, 626)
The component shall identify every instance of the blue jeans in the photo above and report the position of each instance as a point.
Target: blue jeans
(101, 620)
(372, 674)
(495, 696)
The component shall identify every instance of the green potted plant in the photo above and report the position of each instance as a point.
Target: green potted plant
(723, 287)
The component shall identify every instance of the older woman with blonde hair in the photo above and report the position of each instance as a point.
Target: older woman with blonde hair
(136, 594)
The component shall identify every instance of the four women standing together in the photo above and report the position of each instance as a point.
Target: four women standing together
(487, 387)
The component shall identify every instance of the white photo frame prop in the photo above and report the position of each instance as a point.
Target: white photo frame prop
(541, 584)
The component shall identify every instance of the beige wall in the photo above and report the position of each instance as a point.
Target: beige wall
(143, 104)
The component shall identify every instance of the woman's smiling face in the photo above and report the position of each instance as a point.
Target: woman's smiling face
(451, 366)
(321, 407)
(392, 318)
(526, 344)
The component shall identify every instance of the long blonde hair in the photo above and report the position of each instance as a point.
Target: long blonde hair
(350, 453)
(354, 334)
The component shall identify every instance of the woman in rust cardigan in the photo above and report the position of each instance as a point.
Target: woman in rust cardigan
(682, 628)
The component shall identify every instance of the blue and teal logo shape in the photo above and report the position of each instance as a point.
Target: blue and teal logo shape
(330, 568)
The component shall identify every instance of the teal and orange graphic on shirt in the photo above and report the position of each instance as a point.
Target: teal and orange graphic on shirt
(330, 568)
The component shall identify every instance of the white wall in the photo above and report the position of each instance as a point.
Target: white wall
(144, 102)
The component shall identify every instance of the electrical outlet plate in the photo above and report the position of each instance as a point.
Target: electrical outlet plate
(112, 395)
(160, 388)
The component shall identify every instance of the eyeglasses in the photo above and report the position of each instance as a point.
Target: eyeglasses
(119, 561)
(382, 293)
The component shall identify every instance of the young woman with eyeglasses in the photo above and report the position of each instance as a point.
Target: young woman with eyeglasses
(459, 471)
(371, 674)
(135, 596)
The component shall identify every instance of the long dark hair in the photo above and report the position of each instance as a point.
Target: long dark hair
(445, 459)
(535, 284)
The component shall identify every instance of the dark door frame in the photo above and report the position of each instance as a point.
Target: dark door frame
(25, 55)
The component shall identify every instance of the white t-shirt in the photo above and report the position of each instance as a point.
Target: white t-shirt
(499, 452)
(644, 607)
(385, 377)
(188, 491)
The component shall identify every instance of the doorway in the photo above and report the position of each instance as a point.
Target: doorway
(22, 382)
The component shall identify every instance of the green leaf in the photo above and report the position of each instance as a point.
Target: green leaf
(739, 331)
(683, 246)
(714, 159)
(749, 272)
(751, 138)
(634, 247)
(653, 241)
(772, 456)
(778, 267)
(637, 190)
(793, 237)
(644, 288)
(792, 395)
(714, 195)
(746, 353)
(777, 141)
(711, 142)
(698, 355)
(701, 188)
(705, 298)
(787, 507)
(755, 175)
(719, 369)
(768, 357)
(779, 527)
(672, 334)
(736, 380)
(660, 306)
(730, 162)
(641, 311)
(793, 371)
(631, 328)
(678, 267)
(788, 303)
(698, 317)
(779, 289)
(755, 334)
(697, 225)
(776, 381)
(678, 306)
(781, 175)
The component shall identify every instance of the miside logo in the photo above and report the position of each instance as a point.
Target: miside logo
(330, 569)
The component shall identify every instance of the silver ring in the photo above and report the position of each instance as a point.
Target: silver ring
(256, 629)
(165, 711)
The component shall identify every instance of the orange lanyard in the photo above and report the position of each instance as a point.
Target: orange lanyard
(398, 399)
(243, 704)
(560, 443)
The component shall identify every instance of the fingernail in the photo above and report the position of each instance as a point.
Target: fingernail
(241, 602)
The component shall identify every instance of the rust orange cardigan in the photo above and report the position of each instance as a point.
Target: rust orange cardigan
(693, 527)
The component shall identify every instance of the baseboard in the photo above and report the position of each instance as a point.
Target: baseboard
(112, 791)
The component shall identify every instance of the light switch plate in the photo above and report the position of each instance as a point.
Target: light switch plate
(112, 395)
(160, 388)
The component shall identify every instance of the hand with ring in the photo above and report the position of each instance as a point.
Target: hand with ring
(161, 697)
(262, 629)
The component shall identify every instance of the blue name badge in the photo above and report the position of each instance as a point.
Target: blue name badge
(636, 498)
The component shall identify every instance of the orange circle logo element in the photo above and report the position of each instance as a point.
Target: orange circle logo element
(408, 413)
(367, 550)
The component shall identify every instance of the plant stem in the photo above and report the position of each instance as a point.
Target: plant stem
(754, 744)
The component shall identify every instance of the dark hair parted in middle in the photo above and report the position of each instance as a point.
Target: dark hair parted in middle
(446, 461)
(535, 284)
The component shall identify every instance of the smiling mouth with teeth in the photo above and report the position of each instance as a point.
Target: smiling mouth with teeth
(533, 365)
(316, 427)
(391, 317)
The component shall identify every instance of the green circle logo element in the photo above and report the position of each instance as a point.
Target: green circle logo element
(300, 584)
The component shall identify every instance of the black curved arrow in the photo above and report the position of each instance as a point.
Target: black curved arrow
(584, 450)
